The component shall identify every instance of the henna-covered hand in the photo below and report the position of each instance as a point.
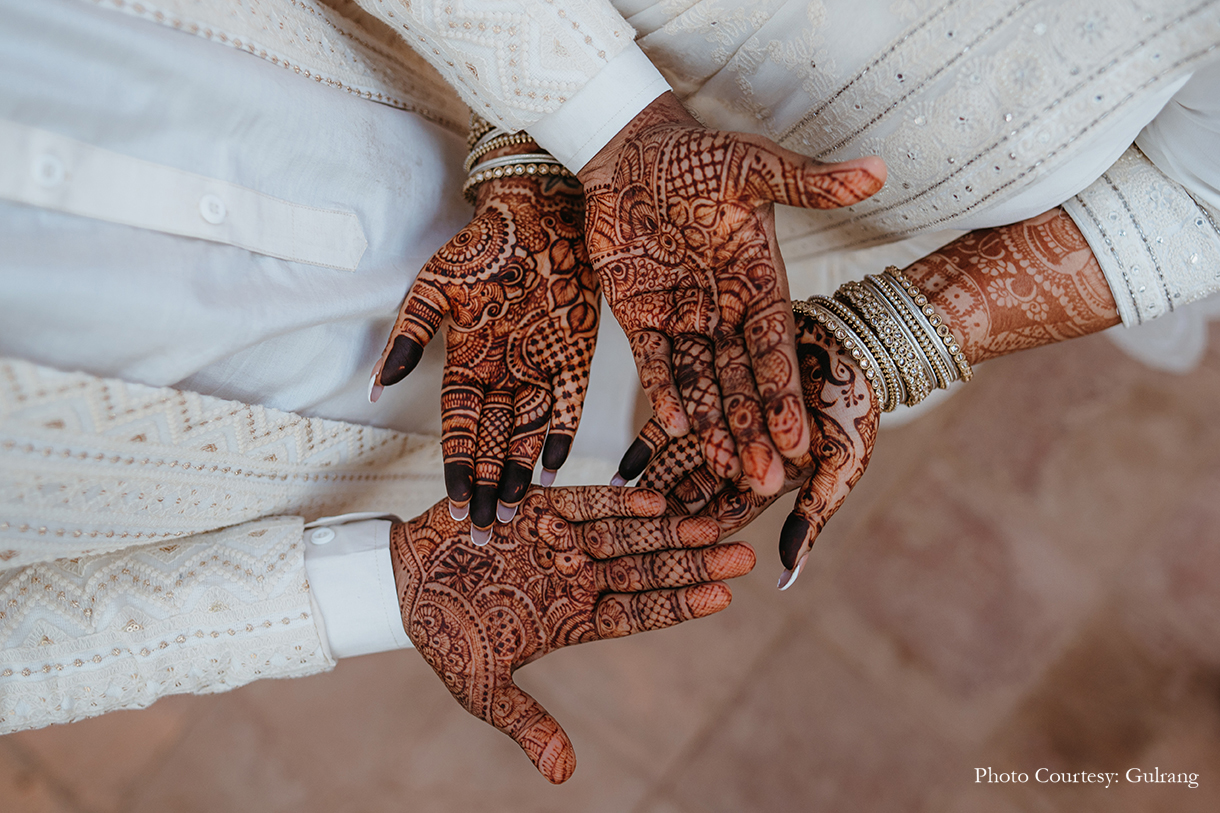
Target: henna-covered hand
(843, 414)
(1001, 290)
(522, 302)
(574, 565)
(680, 227)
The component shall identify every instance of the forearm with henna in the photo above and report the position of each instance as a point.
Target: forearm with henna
(1016, 287)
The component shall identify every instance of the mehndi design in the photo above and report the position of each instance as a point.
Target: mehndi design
(523, 303)
(575, 565)
(680, 228)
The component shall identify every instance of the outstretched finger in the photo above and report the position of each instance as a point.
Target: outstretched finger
(461, 407)
(760, 460)
(653, 360)
(620, 614)
(531, 414)
(694, 365)
(587, 503)
(609, 538)
(419, 318)
(538, 733)
(673, 568)
(495, 428)
(569, 390)
(651, 438)
(783, 176)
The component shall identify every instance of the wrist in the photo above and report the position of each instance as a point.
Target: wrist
(664, 111)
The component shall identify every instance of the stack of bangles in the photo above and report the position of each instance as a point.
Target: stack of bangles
(903, 347)
(484, 138)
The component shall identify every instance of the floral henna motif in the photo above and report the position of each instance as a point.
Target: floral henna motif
(522, 301)
(843, 413)
(574, 565)
(1016, 287)
(680, 227)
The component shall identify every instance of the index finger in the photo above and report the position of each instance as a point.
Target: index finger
(587, 503)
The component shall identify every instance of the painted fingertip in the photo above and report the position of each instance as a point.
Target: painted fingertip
(459, 513)
(505, 513)
(618, 480)
(480, 536)
(547, 477)
(555, 452)
(404, 354)
(635, 459)
(788, 577)
(375, 389)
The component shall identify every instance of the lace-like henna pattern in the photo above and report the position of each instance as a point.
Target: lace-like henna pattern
(575, 565)
(1017, 287)
(522, 301)
(843, 413)
(680, 228)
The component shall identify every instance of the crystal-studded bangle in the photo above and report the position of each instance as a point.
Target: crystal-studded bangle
(533, 164)
(853, 344)
(938, 324)
(941, 366)
(906, 356)
(487, 145)
(887, 367)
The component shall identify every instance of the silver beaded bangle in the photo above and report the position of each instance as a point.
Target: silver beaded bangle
(942, 331)
(528, 165)
(486, 145)
(893, 335)
(940, 364)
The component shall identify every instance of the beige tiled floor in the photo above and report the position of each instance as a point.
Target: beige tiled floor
(1029, 577)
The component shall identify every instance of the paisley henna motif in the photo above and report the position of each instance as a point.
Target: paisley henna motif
(574, 565)
(1001, 290)
(680, 227)
(1017, 287)
(522, 303)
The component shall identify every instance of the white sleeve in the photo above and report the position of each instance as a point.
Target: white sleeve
(351, 579)
(1153, 218)
(520, 62)
(200, 614)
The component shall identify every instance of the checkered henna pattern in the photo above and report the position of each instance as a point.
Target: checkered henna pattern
(574, 565)
(680, 227)
(522, 303)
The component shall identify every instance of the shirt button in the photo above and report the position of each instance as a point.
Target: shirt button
(213, 209)
(321, 536)
(48, 171)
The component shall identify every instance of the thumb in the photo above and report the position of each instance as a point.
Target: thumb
(800, 531)
(538, 733)
(796, 180)
(420, 316)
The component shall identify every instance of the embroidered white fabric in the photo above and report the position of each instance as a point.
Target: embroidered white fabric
(1158, 246)
(99, 633)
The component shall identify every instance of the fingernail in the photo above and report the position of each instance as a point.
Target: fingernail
(480, 536)
(788, 577)
(459, 512)
(505, 513)
(547, 477)
(617, 480)
(375, 389)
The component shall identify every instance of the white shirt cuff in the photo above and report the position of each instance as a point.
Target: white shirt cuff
(589, 119)
(352, 580)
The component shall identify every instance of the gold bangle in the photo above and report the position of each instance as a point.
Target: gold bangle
(524, 169)
(506, 140)
(938, 324)
(479, 127)
(943, 371)
(892, 334)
